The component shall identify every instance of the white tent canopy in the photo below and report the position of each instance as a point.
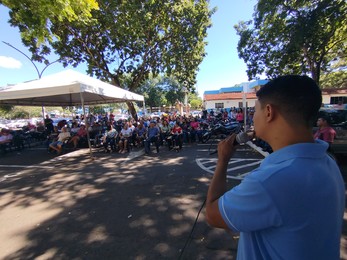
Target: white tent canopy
(66, 88)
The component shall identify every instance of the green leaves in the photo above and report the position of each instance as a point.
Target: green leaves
(136, 38)
(35, 17)
(292, 37)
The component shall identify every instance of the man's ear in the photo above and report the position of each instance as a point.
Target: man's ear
(270, 112)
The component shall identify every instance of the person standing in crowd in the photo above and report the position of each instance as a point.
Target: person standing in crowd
(240, 116)
(233, 114)
(325, 132)
(48, 125)
(292, 205)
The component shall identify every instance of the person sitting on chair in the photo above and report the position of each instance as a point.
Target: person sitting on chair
(124, 135)
(81, 133)
(62, 137)
(5, 139)
(176, 132)
(153, 133)
(165, 130)
(140, 134)
(109, 138)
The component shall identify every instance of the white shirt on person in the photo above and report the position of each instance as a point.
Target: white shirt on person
(126, 132)
(63, 135)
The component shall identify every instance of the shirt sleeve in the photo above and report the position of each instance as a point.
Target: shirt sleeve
(329, 135)
(248, 207)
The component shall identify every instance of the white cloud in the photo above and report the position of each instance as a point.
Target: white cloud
(9, 63)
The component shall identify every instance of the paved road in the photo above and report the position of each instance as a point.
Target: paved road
(245, 159)
(113, 206)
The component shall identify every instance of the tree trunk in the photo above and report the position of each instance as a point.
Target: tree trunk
(318, 72)
(132, 110)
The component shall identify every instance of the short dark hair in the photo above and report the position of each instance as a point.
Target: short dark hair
(298, 98)
(326, 118)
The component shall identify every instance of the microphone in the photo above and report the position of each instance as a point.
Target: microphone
(243, 137)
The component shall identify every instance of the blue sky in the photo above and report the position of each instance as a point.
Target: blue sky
(220, 68)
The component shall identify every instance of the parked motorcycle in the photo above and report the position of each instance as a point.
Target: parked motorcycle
(221, 130)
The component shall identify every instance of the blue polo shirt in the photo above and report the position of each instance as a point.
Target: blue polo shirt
(152, 131)
(291, 207)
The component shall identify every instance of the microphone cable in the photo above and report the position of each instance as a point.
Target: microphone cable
(191, 232)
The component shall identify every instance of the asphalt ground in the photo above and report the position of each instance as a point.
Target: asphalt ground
(115, 206)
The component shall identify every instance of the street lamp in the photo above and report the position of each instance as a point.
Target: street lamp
(37, 70)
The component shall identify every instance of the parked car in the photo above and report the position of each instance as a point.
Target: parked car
(156, 115)
(338, 121)
(61, 121)
(121, 117)
(196, 113)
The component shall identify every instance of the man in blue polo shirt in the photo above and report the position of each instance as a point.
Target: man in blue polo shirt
(292, 206)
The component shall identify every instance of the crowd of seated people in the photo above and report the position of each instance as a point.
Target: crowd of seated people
(170, 130)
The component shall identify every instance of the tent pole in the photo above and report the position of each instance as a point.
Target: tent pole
(43, 114)
(85, 123)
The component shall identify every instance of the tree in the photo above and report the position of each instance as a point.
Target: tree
(194, 100)
(136, 38)
(35, 17)
(173, 90)
(161, 90)
(336, 75)
(302, 36)
(153, 93)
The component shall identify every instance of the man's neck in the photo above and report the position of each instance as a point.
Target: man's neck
(290, 135)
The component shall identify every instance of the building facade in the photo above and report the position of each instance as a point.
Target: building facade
(244, 95)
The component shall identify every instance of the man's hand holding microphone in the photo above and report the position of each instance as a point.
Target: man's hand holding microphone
(227, 147)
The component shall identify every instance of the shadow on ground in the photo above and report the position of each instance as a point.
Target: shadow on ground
(109, 208)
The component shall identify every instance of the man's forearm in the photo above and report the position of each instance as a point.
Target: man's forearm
(217, 188)
(218, 184)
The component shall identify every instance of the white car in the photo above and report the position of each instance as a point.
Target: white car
(196, 114)
(120, 117)
(155, 115)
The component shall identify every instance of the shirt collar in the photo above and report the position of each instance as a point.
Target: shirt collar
(303, 150)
